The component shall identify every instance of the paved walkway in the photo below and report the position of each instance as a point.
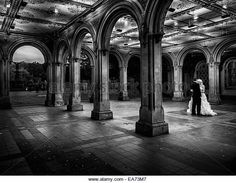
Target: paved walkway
(50, 141)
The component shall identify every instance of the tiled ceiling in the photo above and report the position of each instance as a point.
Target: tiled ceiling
(186, 20)
(39, 16)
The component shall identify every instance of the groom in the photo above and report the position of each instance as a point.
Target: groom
(196, 95)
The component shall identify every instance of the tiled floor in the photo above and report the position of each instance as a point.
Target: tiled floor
(50, 141)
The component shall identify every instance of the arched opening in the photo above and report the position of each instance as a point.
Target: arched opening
(133, 73)
(86, 75)
(228, 74)
(114, 77)
(28, 77)
(167, 78)
(2, 81)
(119, 29)
(86, 64)
(82, 50)
(62, 81)
(88, 41)
(194, 66)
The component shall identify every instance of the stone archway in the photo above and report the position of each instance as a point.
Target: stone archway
(182, 54)
(133, 75)
(61, 69)
(78, 37)
(183, 76)
(228, 77)
(114, 75)
(201, 71)
(76, 46)
(87, 82)
(48, 59)
(219, 69)
(4, 92)
(167, 76)
(2, 87)
(221, 47)
(117, 10)
(192, 62)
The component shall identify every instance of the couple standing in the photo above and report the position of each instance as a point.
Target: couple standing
(199, 100)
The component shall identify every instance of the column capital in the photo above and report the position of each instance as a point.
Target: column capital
(5, 59)
(176, 67)
(57, 63)
(123, 67)
(212, 64)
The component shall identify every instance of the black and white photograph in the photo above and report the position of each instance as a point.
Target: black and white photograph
(117, 90)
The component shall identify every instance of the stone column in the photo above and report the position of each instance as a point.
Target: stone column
(151, 115)
(178, 83)
(57, 85)
(49, 87)
(75, 96)
(214, 84)
(123, 95)
(101, 109)
(91, 98)
(4, 86)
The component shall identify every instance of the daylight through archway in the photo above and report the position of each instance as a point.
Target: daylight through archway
(28, 77)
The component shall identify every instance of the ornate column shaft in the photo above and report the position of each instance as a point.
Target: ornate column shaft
(101, 109)
(4, 84)
(178, 83)
(91, 99)
(57, 84)
(151, 115)
(123, 95)
(75, 95)
(49, 97)
(214, 83)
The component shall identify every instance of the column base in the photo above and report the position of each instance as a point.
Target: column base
(5, 102)
(101, 115)
(123, 96)
(151, 130)
(75, 107)
(178, 99)
(178, 96)
(58, 100)
(58, 103)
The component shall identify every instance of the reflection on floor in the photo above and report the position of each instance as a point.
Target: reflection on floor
(50, 141)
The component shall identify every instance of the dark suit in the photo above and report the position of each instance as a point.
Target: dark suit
(196, 98)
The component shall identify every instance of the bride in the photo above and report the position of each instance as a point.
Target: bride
(205, 106)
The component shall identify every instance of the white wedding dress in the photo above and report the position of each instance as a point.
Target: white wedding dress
(205, 106)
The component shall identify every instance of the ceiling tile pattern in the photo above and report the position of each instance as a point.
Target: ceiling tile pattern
(41, 16)
(186, 20)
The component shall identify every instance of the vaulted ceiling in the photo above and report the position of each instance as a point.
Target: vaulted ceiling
(39, 16)
(186, 20)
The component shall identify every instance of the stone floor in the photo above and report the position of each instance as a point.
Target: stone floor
(50, 141)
